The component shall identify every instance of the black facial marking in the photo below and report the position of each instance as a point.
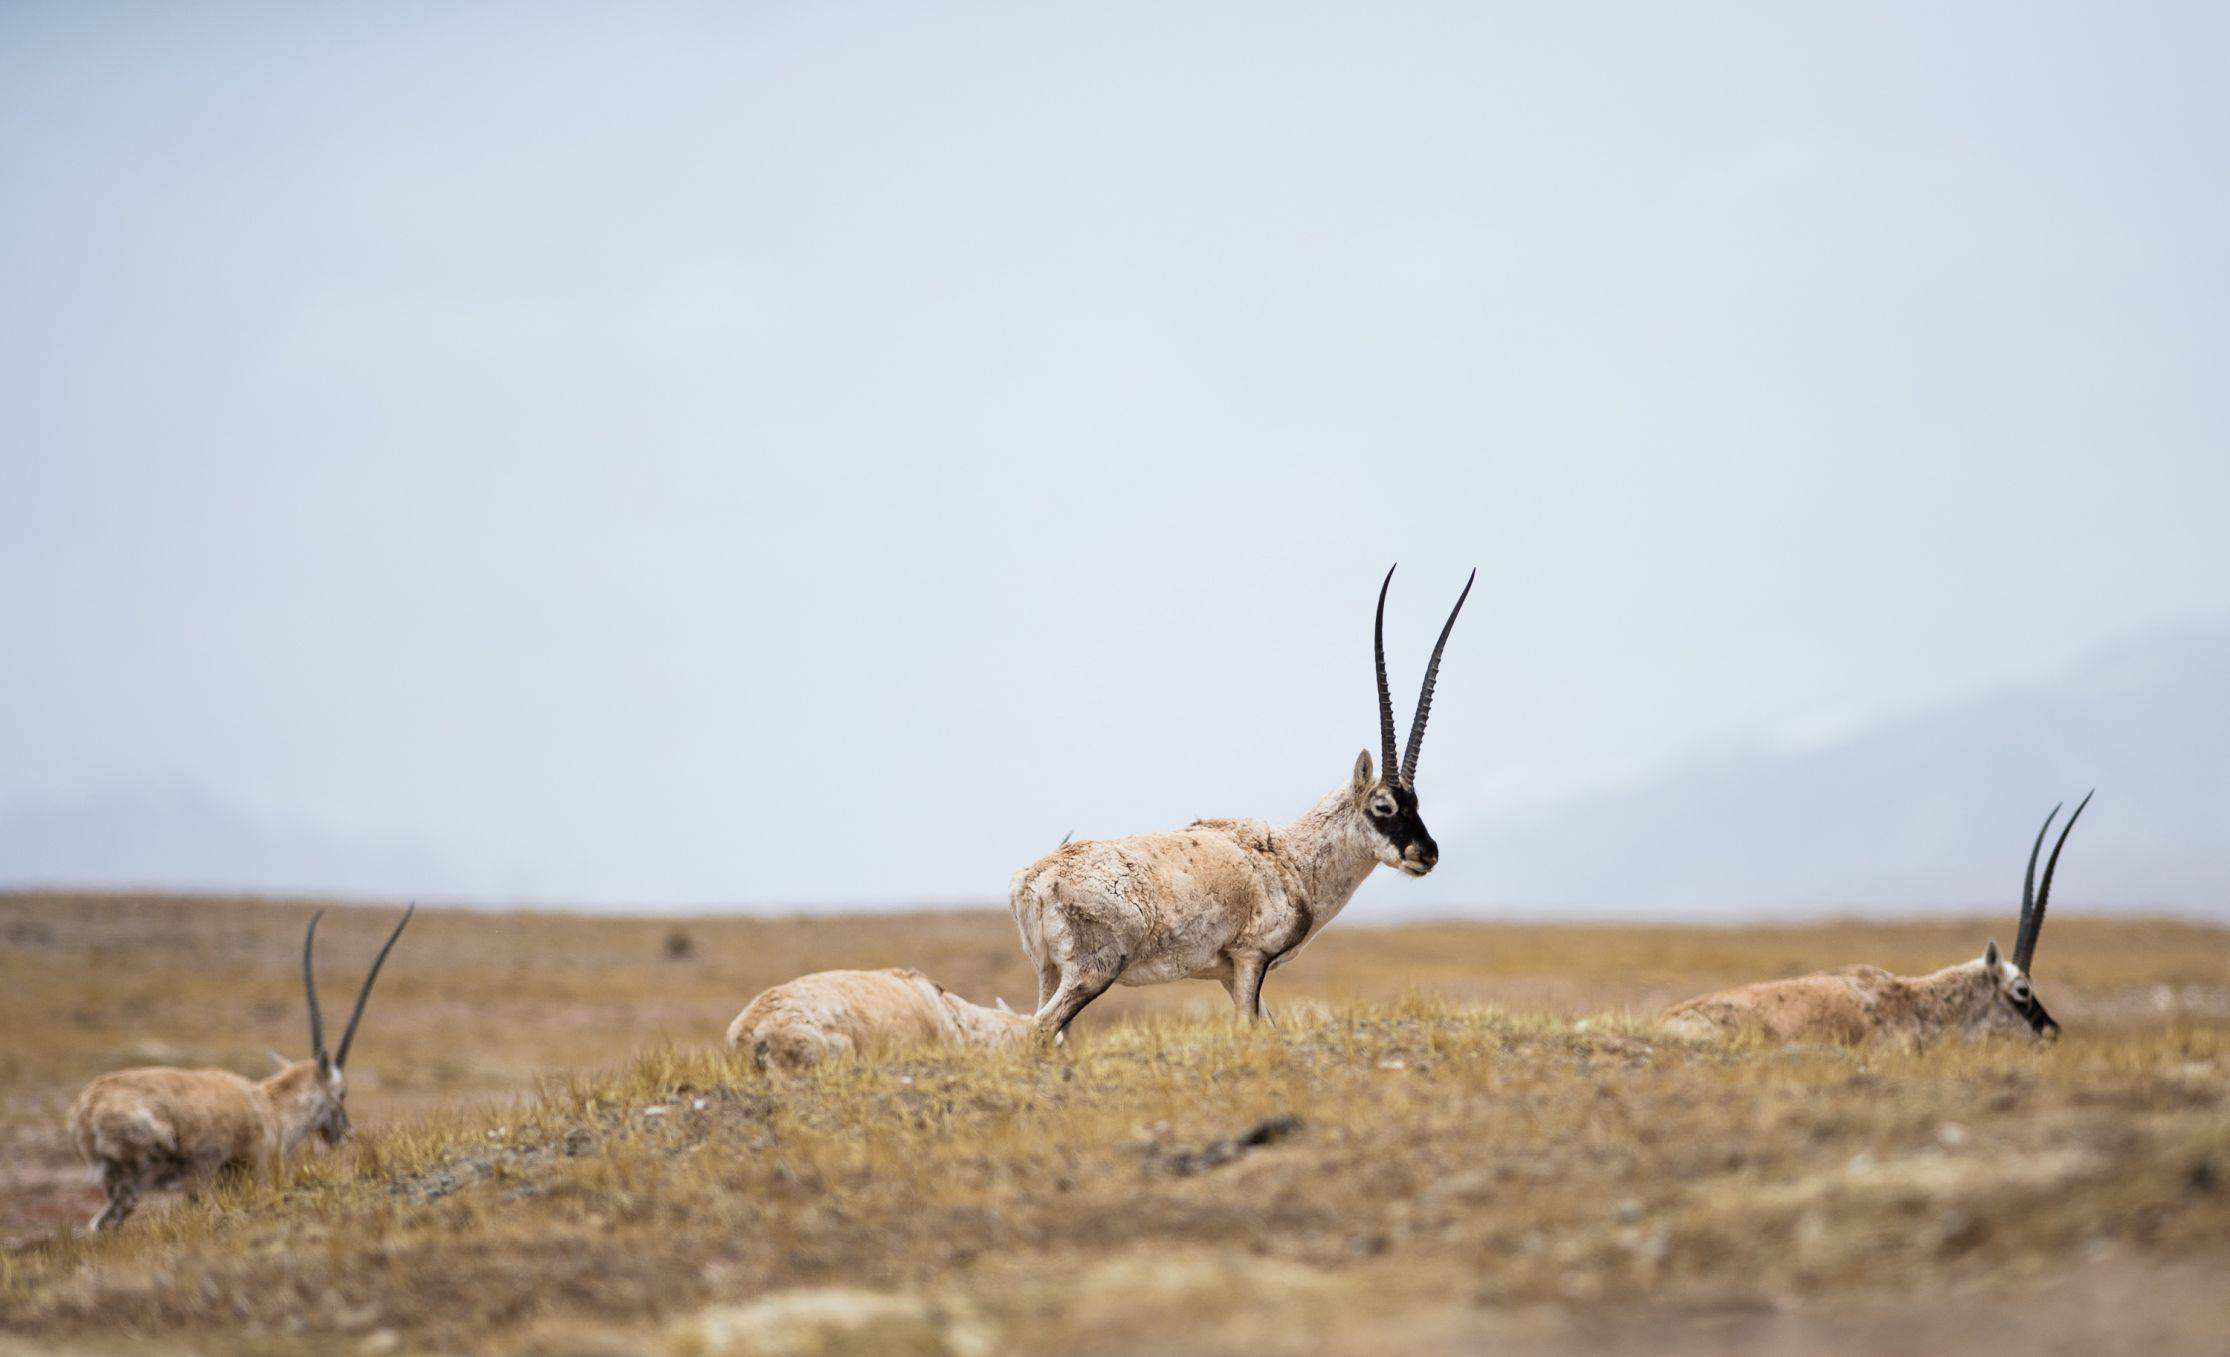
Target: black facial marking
(2040, 1022)
(1404, 828)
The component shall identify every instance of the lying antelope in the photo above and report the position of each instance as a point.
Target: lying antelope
(160, 1127)
(1989, 996)
(836, 1013)
(1224, 900)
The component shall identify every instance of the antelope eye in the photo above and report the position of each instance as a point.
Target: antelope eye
(1382, 808)
(2019, 989)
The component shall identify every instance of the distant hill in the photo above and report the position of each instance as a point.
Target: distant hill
(183, 839)
(1929, 813)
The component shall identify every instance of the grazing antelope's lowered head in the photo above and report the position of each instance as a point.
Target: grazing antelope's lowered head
(312, 1094)
(1989, 996)
(1387, 801)
(985, 1026)
(158, 1127)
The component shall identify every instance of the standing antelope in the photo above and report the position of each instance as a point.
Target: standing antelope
(1988, 996)
(1224, 899)
(159, 1127)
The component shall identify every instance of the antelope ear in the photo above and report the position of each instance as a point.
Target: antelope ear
(1990, 957)
(1001, 1001)
(1363, 776)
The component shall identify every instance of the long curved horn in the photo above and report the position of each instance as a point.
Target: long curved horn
(1385, 694)
(2028, 883)
(309, 990)
(340, 1057)
(2025, 947)
(1424, 695)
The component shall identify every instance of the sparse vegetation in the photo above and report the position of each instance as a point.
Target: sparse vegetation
(1453, 1135)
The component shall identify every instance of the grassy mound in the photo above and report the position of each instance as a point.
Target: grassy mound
(1413, 1173)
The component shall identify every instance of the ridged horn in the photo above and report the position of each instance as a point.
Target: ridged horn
(309, 989)
(1385, 694)
(1424, 695)
(2024, 946)
(2028, 882)
(340, 1057)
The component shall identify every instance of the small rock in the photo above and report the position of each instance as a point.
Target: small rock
(1393, 1063)
(831, 1319)
(380, 1340)
(1173, 1280)
(679, 946)
(2203, 1177)
(1951, 1135)
(1629, 1210)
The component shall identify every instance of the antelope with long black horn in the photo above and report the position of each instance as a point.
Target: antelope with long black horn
(1225, 900)
(1991, 995)
(158, 1127)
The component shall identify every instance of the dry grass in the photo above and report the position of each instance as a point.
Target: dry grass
(556, 1159)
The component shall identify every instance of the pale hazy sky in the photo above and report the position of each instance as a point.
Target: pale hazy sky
(652, 454)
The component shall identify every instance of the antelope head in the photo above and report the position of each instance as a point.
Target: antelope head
(993, 1024)
(2014, 1004)
(314, 1092)
(1387, 799)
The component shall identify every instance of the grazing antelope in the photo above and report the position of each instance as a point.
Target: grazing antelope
(1224, 900)
(1989, 996)
(836, 1013)
(159, 1127)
